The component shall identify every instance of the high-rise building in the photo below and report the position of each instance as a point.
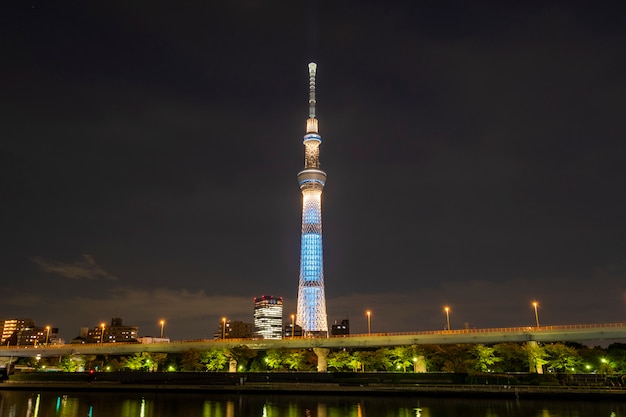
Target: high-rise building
(116, 332)
(292, 331)
(33, 336)
(311, 308)
(268, 317)
(233, 330)
(9, 328)
(340, 328)
(23, 332)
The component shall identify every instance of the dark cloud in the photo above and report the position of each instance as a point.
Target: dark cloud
(85, 269)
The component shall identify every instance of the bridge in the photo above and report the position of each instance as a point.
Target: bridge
(542, 334)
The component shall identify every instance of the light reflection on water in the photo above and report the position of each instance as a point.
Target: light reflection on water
(108, 404)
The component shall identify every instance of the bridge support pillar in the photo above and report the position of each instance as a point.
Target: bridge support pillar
(534, 357)
(322, 356)
(419, 364)
(232, 365)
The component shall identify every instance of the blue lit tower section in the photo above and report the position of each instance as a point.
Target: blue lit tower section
(311, 310)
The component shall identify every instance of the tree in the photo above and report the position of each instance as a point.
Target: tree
(113, 364)
(536, 356)
(242, 355)
(190, 361)
(562, 358)
(591, 358)
(434, 357)
(356, 361)
(485, 357)
(68, 364)
(214, 359)
(137, 362)
(157, 359)
(402, 357)
(274, 359)
(616, 356)
(338, 360)
(92, 362)
(310, 361)
(295, 359)
(513, 358)
(458, 358)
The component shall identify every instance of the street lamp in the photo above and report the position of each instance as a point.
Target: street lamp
(102, 334)
(162, 323)
(535, 305)
(447, 310)
(223, 328)
(369, 322)
(293, 325)
(47, 334)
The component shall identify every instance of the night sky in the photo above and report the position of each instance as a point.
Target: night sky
(475, 158)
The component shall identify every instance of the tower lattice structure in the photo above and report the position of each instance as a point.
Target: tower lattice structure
(311, 309)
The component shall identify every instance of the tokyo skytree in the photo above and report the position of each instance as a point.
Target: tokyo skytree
(311, 310)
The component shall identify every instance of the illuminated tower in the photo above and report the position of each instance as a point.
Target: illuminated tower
(311, 312)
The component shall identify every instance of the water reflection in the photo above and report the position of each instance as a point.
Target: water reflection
(33, 410)
(44, 404)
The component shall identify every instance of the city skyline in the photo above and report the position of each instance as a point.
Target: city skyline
(476, 153)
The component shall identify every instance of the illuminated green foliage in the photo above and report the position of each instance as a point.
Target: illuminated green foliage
(402, 357)
(616, 357)
(485, 357)
(156, 360)
(562, 358)
(214, 359)
(139, 361)
(69, 363)
(274, 359)
(295, 359)
(379, 360)
(536, 356)
(338, 360)
(356, 361)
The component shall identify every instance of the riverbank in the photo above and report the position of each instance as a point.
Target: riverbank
(459, 391)
(340, 383)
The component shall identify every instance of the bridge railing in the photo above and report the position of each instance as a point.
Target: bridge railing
(494, 330)
(528, 329)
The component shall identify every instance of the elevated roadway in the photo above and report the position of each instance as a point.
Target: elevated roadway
(545, 334)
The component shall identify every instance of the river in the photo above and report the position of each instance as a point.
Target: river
(162, 404)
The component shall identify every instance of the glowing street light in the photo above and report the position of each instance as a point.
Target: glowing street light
(447, 310)
(223, 328)
(47, 334)
(162, 323)
(535, 305)
(102, 334)
(293, 325)
(369, 322)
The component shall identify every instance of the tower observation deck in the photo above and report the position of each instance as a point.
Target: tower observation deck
(311, 310)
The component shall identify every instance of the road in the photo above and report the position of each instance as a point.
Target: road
(570, 333)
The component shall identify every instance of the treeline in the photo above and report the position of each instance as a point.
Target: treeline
(463, 358)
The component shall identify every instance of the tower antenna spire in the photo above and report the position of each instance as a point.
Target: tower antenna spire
(312, 71)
